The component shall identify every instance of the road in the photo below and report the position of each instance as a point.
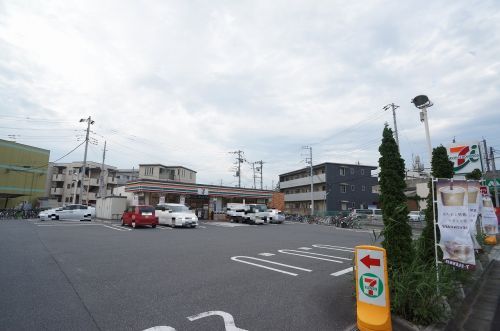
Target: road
(101, 276)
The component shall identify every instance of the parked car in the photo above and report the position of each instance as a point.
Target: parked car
(74, 212)
(48, 214)
(275, 216)
(416, 216)
(135, 216)
(176, 214)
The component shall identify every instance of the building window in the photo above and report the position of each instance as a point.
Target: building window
(363, 188)
(362, 171)
(68, 186)
(353, 204)
(343, 188)
(342, 171)
(353, 188)
(352, 171)
(148, 171)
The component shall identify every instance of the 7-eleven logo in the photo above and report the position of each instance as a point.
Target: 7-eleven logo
(463, 155)
(371, 285)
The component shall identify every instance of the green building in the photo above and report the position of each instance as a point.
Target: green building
(23, 173)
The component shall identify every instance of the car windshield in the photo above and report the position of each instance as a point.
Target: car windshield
(146, 209)
(414, 213)
(260, 208)
(179, 209)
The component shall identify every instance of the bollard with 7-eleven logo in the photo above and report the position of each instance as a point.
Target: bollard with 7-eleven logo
(373, 307)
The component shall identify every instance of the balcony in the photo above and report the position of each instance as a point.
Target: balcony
(58, 178)
(56, 191)
(109, 192)
(93, 182)
(111, 180)
(318, 195)
(321, 178)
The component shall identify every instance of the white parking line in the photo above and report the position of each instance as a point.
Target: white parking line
(305, 248)
(202, 227)
(237, 259)
(341, 272)
(164, 228)
(309, 255)
(76, 224)
(337, 248)
(266, 254)
(116, 228)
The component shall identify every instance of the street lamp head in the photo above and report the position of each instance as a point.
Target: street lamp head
(422, 101)
(82, 120)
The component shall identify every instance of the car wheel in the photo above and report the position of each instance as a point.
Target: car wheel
(193, 226)
(153, 226)
(123, 222)
(133, 224)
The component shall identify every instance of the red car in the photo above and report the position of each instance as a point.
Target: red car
(139, 215)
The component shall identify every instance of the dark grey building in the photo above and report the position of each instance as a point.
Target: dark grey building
(337, 186)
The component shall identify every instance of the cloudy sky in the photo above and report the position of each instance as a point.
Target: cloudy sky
(187, 82)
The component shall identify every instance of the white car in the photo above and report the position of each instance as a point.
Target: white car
(275, 216)
(416, 216)
(47, 215)
(75, 213)
(176, 214)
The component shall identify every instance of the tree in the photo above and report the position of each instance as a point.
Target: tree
(397, 231)
(476, 174)
(441, 167)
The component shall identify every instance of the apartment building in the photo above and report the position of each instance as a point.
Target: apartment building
(65, 182)
(23, 171)
(336, 186)
(125, 175)
(162, 172)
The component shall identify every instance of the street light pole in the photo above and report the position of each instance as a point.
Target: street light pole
(89, 121)
(427, 134)
(422, 102)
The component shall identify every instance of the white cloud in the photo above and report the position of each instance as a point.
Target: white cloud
(187, 82)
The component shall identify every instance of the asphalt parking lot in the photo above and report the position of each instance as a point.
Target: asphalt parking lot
(220, 276)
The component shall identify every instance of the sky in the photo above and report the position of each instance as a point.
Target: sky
(188, 82)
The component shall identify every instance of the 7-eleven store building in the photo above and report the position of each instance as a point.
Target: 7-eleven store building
(202, 198)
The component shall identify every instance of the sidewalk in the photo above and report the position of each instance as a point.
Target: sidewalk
(483, 314)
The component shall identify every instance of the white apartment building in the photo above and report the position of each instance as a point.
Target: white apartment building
(161, 172)
(65, 182)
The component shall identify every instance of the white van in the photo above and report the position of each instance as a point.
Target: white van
(369, 214)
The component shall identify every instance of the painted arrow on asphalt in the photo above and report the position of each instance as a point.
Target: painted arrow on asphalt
(367, 261)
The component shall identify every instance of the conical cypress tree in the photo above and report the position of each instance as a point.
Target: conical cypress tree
(441, 167)
(397, 231)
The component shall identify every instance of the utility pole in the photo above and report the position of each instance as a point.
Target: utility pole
(493, 166)
(486, 155)
(89, 122)
(259, 172)
(102, 189)
(394, 107)
(253, 171)
(310, 162)
(239, 160)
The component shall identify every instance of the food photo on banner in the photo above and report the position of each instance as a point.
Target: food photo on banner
(474, 199)
(489, 218)
(453, 221)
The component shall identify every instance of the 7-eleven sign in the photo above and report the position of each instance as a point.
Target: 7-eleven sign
(373, 307)
(371, 285)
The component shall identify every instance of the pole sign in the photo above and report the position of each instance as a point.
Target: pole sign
(373, 306)
(465, 157)
(484, 190)
(492, 183)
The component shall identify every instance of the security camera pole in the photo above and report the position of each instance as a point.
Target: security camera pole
(89, 121)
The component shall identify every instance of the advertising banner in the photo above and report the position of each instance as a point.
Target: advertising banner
(474, 198)
(454, 223)
(465, 157)
(490, 222)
